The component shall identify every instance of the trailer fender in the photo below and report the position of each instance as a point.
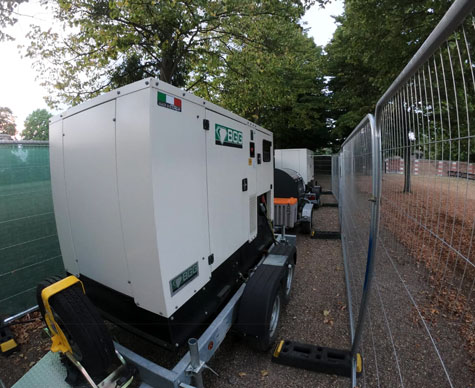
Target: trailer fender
(306, 220)
(307, 212)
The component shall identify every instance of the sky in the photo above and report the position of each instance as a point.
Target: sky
(22, 92)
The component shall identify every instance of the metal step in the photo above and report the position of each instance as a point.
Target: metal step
(48, 372)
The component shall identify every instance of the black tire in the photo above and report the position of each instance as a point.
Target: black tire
(306, 227)
(83, 328)
(264, 342)
(42, 285)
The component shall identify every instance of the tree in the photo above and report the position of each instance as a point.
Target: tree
(7, 10)
(372, 44)
(7, 121)
(115, 42)
(36, 125)
(278, 85)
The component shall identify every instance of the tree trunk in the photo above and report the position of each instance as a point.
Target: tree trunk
(166, 70)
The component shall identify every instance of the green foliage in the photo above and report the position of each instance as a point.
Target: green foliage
(7, 121)
(250, 56)
(7, 18)
(112, 43)
(372, 44)
(277, 85)
(37, 125)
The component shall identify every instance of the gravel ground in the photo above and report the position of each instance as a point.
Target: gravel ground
(324, 180)
(318, 287)
(396, 347)
(32, 345)
(318, 314)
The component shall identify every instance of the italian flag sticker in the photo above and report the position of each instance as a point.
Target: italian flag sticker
(169, 102)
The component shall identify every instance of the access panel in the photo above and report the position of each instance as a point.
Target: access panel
(231, 185)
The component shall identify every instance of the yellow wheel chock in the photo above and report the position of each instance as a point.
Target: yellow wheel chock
(59, 341)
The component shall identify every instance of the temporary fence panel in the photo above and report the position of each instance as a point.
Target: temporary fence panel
(420, 328)
(323, 170)
(336, 176)
(358, 190)
(29, 248)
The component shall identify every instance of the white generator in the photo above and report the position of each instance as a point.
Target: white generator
(159, 197)
(297, 159)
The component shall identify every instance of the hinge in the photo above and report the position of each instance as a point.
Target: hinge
(206, 124)
(210, 259)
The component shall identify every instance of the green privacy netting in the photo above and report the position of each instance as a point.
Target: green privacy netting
(29, 247)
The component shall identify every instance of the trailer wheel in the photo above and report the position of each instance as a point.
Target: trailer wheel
(82, 326)
(260, 305)
(264, 342)
(306, 227)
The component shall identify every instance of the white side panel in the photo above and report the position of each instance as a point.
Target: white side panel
(251, 174)
(290, 159)
(265, 170)
(229, 214)
(60, 199)
(278, 159)
(134, 176)
(178, 157)
(298, 159)
(310, 166)
(91, 181)
(303, 165)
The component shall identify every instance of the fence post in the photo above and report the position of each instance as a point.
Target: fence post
(407, 165)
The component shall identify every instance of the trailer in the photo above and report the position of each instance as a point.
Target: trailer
(161, 203)
(293, 206)
(296, 192)
(299, 160)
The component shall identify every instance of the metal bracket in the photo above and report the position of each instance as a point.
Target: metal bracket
(110, 381)
(194, 370)
(191, 371)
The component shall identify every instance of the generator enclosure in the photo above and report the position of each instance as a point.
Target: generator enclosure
(288, 183)
(154, 191)
(298, 159)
